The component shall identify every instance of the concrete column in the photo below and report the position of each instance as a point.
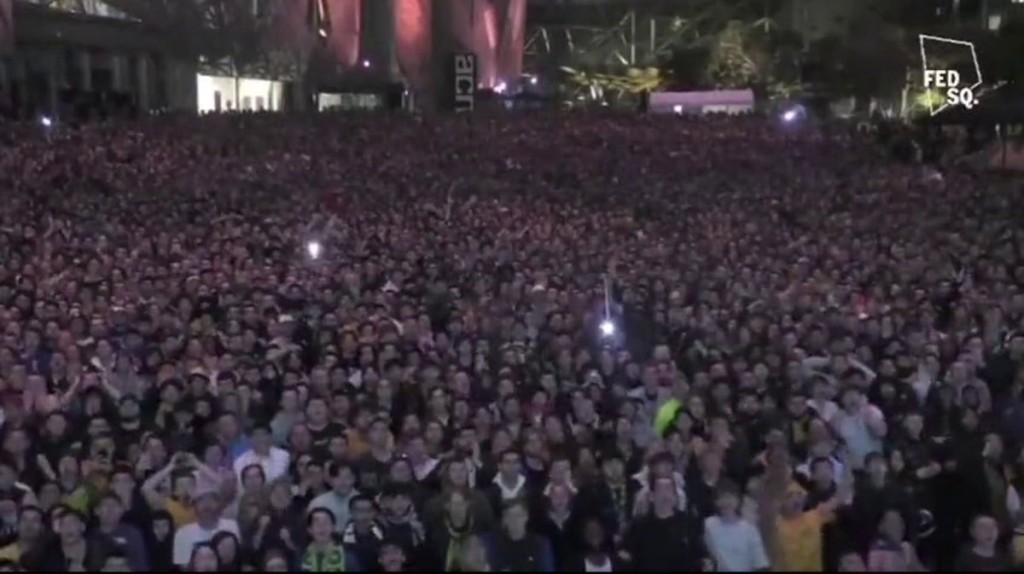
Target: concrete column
(117, 72)
(5, 76)
(85, 69)
(181, 83)
(142, 89)
(378, 37)
(52, 82)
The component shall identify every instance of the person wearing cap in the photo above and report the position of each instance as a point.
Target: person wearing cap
(207, 524)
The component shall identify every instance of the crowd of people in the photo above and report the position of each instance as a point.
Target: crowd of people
(531, 342)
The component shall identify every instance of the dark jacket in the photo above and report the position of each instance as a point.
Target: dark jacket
(532, 553)
(564, 539)
(598, 500)
(49, 557)
(364, 546)
(669, 544)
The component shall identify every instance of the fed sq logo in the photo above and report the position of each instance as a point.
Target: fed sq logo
(957, 87)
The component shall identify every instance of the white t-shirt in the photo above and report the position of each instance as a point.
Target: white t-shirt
(588, 566)
(191, 534)
(736, 546)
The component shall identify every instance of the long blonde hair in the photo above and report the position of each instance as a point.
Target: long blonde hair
(473, 557)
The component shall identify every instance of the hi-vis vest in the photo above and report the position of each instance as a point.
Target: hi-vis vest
(331, 561)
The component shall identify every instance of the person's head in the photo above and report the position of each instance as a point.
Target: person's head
(852, 562)
(116, 561)
(793, 502)
(162, 525)
(594, 536)
(457, 474)
(510, 465)
(109, 510)
(183, 485)
(204, 558)
(613, 468)
(363, 509)
(320, 522)
(514, 518)
(253, 478)
(560, 470)
(71, 526)
(985, 531)
(341, 478)
(559, 497)
(852, 399)
(30, 523)
(391, 557)
(457, 507)
(822, 471)
(993, 449)
(663, 493)
(379, 434)
(727, 499)
(262, 440)
(891, 526)
(280, 496)
(226, 546)
(207, 505)
(877, 466)
(275, 561)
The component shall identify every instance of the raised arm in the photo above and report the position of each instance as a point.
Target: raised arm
(150, 488)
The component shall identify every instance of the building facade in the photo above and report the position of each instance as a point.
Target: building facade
(62, 59)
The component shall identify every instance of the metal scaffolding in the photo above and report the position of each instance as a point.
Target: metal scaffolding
(600, 34)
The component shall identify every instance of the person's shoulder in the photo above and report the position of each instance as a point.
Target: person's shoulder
(712, 522)
(320, 499)
(10, 552)
(228, 524)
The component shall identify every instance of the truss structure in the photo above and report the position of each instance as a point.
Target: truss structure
(602, 35)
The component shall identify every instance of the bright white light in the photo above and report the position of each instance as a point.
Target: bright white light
(313, 247)
(533, 80)
(607, 328)
(677, 109)
(500, 88)
(789, 116)
(366, 63)
(47, 122)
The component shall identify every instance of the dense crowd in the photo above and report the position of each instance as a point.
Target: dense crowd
(588, 343)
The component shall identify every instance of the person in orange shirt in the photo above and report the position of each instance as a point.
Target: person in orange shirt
(799, 531)
(795, 533)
